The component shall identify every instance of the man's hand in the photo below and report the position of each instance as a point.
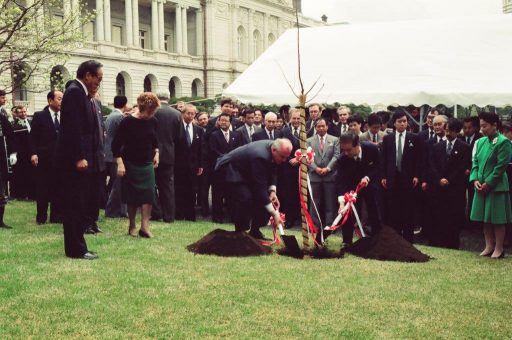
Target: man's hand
(293, 162)
(424, 186)
(443, 182)
(199, 172)
(415, 182)
(34, 160)
(364, 182)
(277, 218)
(274, 200)
(82, 165)
(121, 171)
(384, 183)
(13, 159)
(156, 160)
(319, 171)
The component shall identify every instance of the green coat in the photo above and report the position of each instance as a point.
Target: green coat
(489, 166)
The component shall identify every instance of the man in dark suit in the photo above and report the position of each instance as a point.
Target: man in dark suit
(315, 112)
(359, 164)
(401, 162)
(169, 129)
(8, 158)
(220, 143)
(43, 140)
(203, 186)
(226, 106)
(269, 131)
(428, 130)
(2, 103)
(342, 127)
(251, 172)
(373, 135)
(78, 150)
(22, 184)
(247, 130)
(448, 161)
(190, 161)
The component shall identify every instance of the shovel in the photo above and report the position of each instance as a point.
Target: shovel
(290, 244)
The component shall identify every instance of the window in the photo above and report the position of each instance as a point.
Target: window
(88, 31)
(147, 84)
(117, 34)
(142, 39)
(120, 86)
(166, 42)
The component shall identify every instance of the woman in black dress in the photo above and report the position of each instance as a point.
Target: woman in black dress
(135, 148)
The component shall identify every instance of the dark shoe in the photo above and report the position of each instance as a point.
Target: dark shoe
(486, 254)
(5, 226)
(90, 231)
(145, 234)
(288, 225)
(96, 229)
(257, 234)
(217, 220)
(89, 256)
(40, 222)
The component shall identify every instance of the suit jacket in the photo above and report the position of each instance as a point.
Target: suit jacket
(365, 137)
(325, 159)
(411, 159)
(189, 158)
(111, 124)
(477, 136)
(7, 144)
(244, 134)
(212, 124)
(262, 135)
(79, 130)
(169, 130)
(335, 130)
(350, 172)
(451, 167)
(218, 146)
(251, 164)
(424, 134)
(43, 136)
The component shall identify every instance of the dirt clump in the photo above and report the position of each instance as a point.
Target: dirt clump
(229, 243)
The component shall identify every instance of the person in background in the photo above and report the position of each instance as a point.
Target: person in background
(203, 189)
(315, 112)
(343, 113)
(247, 130)
(373, 135)
(23, 184)
(8, 158)
(491, 204)
(2, 103)
(428, 129)
(355, 123)
(135, 147)
(279, 122)
(269, 130)
(202, 120)
(507, 132)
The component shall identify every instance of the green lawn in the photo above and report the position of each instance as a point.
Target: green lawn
(155, 288)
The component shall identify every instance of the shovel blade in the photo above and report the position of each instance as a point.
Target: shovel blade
(292, 246)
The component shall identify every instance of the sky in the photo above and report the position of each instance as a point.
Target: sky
(386, 10)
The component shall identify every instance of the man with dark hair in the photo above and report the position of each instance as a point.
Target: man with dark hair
(258, 119)
(284, 111)
(114, 206)
(401, 162)
(315, 112)
(226, 106)
(247, 130)
(359, 165)
(78, 153)
(22, 181)
(8, 158)
(471, 130)
(447, 178)
(43, 140)
(220, 143)
(373, 135)
(169, 132)
(269, 131)
(354, 124)
(2, 103)
(428, 129)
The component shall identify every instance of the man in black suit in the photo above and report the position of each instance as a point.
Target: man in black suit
(190, 161)
(43, 140)
(221, 142)
(22, 184)
(342, 127)
(401, 162)
(359, 164)
(315, 112)
(78, 151)
(250, 171)
(447, 166)
(269, 131)
(226, 106)
(428, 130)
(203, 186)
(7, 159)
(168, 131)
(247, 130)
(2, 103)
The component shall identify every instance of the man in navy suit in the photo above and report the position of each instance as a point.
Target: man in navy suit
(78, 152)
(43, 140)
(359, 164)
(448, 161)
(190, 153)
(428, 130)
(220, 143)
(250, 171)
(269, 131)
(401, 162)
(247, 130)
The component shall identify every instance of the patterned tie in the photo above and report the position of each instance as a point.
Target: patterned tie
(399, 153)
(271, 135)
(431, 134)
(226, 135)
(375, 138)
(296, 133)
(189, 141)
(449, 149)
(321, 144)
(56, 122)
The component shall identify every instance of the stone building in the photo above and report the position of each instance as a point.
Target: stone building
(507, 6)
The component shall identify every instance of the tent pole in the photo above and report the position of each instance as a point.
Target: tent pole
(455, 111)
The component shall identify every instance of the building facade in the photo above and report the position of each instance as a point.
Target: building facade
(184, 47)
(507, 6)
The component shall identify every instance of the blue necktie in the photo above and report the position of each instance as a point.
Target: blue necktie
(56, 122)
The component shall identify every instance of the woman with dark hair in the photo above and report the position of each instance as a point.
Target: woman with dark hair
(491, 203)
(135, 148)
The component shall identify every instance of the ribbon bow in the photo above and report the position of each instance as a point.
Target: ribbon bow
(347, 201)
(276, 240)
(309, 154)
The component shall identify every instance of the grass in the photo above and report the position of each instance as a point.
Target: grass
(157, 289)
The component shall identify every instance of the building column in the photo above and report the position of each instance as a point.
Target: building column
(135, 22)
(199, 32)
(75, 9)
(154, 25)
(128, 20)
(100, 30)
(107, 20)
(161, 26)
(235, 33)
(66, 7)
(250, 36)
(265, 31)
(184, 29)
(177, 31)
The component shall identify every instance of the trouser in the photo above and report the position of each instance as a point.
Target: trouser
(401, 208)
(185, 194)
(48, 193)
(246, 214)
(324, 197)
(3, 190)
(114, 207)
(203, 192)
(166, 203)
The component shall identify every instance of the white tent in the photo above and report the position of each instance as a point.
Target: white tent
(448, 61)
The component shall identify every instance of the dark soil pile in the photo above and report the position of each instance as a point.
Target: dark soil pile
(387, 245)
(229, 243)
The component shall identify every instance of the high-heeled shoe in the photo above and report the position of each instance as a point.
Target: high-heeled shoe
(145, 234)
(132, 232)
(486, 254)
(502, 255)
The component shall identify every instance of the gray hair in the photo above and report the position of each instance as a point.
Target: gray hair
(281, 143)
(162, 96)
(343, 107)
(441, 118)
(270, 114)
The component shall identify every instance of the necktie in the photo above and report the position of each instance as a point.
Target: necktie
(271, 135)
(431, 134)
(226, 135)
(399, 153)
(251, 131)
(343, 128)
(375, 138)
(468, 140)
(56, 122)
(449, 149)
(322, 144)
(189, 141)
(296, 133)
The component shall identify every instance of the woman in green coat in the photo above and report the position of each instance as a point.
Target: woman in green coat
(491, 203)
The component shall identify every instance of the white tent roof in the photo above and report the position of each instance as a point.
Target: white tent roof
(448, 61)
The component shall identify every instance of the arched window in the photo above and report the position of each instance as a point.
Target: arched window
(20, 83)
(58, 77)
(197, 88)
(120, 85)
(242, 44)
(147, 84)
(271, 39)
(257, 44)
(175, 87)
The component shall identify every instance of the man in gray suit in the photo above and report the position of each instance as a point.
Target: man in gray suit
(168, 132)
(373, 135)
(322, 174)
(114, 206)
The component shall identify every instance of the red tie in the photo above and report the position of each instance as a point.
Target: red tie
(322, 144)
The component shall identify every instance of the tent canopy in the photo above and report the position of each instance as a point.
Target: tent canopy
(447, 61)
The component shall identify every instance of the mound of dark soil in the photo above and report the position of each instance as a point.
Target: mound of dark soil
(387, 245)
(229, 243)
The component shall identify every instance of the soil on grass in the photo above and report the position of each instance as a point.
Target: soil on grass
(229, 243)
(387, 245)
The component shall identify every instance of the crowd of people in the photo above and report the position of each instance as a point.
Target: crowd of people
(426, 180)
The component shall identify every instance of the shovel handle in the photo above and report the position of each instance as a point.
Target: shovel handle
(281, 230)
